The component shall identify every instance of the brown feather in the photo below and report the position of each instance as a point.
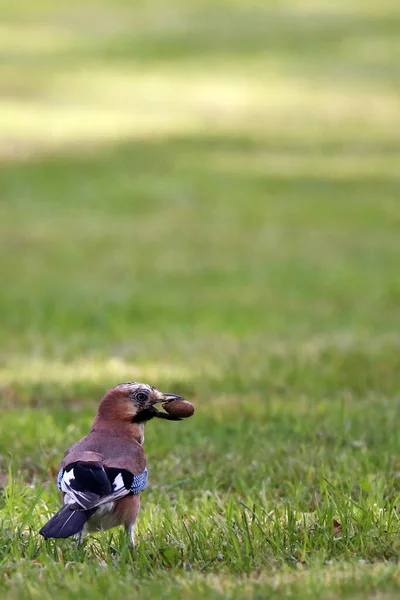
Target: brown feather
(126, 510)
(117, 406)
(110, 450)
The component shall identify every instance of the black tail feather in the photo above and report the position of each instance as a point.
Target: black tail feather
(65, 523)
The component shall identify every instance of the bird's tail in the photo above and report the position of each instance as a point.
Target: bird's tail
(65, 523)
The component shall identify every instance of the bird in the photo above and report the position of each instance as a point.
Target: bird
(101, 476)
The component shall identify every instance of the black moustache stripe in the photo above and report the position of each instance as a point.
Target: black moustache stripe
(149, 413)
(145, 415)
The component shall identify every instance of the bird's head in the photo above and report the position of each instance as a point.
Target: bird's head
(130, 405)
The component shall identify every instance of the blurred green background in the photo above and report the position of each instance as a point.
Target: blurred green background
(204, 195)
(180, 178)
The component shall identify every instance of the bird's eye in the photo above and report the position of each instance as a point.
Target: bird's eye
(142, 397)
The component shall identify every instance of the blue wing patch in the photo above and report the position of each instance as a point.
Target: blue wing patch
(139, 482)
(59, 478)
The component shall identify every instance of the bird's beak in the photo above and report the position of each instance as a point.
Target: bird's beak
(167, 398)
(170, 397)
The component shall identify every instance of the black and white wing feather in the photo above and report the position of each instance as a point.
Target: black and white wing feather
(90, 484)
(89, 487)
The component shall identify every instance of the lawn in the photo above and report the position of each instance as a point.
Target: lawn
(205, 196)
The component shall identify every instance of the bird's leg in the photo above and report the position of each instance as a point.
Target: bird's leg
(130, 530)
(79, 538)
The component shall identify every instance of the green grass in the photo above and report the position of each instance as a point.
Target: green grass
(205, 196)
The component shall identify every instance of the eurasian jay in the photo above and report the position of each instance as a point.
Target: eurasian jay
(102, 475)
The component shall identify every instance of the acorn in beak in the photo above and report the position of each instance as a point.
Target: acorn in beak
(176, 408)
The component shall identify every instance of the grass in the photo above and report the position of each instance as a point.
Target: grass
(205, 196)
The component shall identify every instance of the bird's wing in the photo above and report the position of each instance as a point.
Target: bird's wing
(102, 468)
(91, 484)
